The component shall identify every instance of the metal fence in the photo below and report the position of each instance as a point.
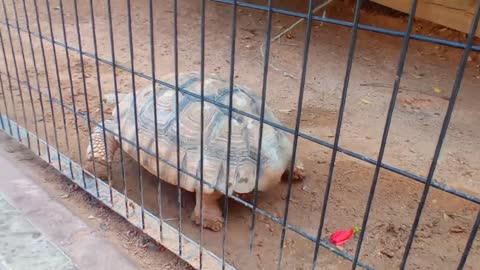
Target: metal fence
(173, 237)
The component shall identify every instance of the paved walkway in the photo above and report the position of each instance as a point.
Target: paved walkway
(37, 232)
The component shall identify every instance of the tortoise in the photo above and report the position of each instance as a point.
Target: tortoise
(276, 152)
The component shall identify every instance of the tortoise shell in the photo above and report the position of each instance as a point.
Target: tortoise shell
(276, 146)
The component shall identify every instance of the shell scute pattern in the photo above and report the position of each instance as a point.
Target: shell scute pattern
(244, 136)
(190, 124)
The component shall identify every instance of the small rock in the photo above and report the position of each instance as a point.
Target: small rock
(150, 246)
(387, 253)
(64, 196)
(391, 229)
(458, 229)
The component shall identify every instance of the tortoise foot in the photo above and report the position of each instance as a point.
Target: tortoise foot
(298, 173)
(248, 197)
(100, 170)
(214, 223)
(212, 213)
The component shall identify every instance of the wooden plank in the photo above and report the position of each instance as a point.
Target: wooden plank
(455, 14)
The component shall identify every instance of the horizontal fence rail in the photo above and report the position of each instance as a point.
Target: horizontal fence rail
(174, 237)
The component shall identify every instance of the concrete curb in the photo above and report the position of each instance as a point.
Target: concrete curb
(78, 241)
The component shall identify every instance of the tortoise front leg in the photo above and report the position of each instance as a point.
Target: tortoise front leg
(247, 197)
(99, 155)
(98, 151)
(212, 213)
(298, 172)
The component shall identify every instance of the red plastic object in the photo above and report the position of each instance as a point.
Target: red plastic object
(339, 238)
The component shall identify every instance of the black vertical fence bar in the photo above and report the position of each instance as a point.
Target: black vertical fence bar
(351, 52)
(443, 132)
(100, 100)
(468, 245)
(308, 33)
(12, 50)
(266, 63)
(177, 121)
(42, 109)
(5, 104)
(202, 106)
(34, 113)
(137, 141)
(117, 102)
(59, 86)
(157, 160)
(7, 70)
(16, 73)
(396, 87)
(229, 139)
(1, 114)
(72, 94)
(6, 111)
(85, 93)
(49, 91)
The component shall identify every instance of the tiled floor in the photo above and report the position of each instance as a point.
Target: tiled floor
(37, 232)
(22, 246)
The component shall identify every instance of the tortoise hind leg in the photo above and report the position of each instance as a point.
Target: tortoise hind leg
(212, 213)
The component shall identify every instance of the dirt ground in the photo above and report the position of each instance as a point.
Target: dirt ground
(425, 89)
